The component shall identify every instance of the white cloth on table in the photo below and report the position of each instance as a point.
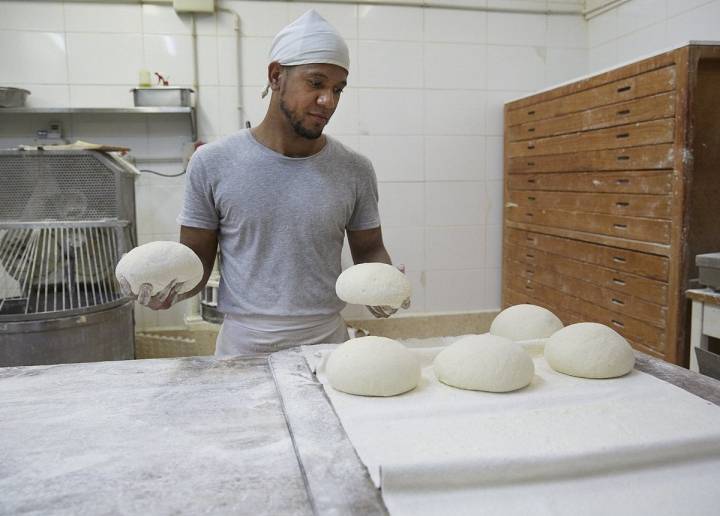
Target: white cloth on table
(563, 445)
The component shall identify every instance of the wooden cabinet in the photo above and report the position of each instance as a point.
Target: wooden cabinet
(612, 186)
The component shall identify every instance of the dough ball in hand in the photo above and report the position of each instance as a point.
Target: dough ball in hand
(525, 322)
(373, 366)
(484, 363)
(373, 284)
(589, 350)
(159, 263)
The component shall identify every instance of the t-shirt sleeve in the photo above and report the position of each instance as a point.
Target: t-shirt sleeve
(366, 215)
(199, 203)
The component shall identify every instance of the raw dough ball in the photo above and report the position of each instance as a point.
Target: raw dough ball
(373, 284)
(158, 263)
(525, 322)
(484, 363)
(373, 366)
(589, 350)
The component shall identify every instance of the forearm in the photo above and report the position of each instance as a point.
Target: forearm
(204, 244)
(374, 255)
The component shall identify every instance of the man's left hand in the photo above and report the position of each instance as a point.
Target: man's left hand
(383, 312)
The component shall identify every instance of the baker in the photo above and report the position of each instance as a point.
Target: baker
(279, 199)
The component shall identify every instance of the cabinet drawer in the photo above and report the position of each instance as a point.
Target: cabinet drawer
(646, 84)
(633, 262)
(640, 110)
(630, 327)
(635, 228)
(630, 182)
(617, 281)
(621, 303)
(655, 206)
(633, 158)
(630, 135)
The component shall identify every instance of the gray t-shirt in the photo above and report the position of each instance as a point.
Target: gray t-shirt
(281, 221)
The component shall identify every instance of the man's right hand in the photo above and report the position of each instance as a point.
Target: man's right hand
(160, 301)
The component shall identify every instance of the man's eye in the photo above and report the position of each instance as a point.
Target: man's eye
(315, 84)
(338, 91)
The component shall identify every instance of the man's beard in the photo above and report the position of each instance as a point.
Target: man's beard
(297, 124)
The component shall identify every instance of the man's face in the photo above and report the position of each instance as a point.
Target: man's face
(309, 95)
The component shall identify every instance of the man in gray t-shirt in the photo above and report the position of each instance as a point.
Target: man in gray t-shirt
(279, 199)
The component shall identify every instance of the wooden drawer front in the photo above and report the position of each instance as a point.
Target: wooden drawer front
(640, 110)
(646, 230)
(644, 85)
(630, 327)
(633, 262)
(635, 158)
(623, 304)
(510, 297)
(631, 182)
(655, 206)
(631, 135)
(617, 281)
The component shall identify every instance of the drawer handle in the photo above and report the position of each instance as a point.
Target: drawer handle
(623, 158)
(528, 287)
(528, 214)
(530, 239)
(530, 198)
(617, 301)
(621, 89)
(530, 255)
(622, 204)
(531, 181)
(529, 272)
(622, 135)
(623, 112)
(531, 129)
(618, 323)
(530, 163)
(622, 181)
(531, 112)
(619, 259)
(620, 226)
(618, 281)
(531, 145)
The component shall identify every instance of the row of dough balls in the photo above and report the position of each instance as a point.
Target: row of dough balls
(378, 366)
(586, 350)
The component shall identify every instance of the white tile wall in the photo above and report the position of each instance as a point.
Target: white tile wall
(640, 28)
(444, 25)
(96, 17)
(455, 66)
(104, 58)
(516, 68)
(457, 203)
(455, 158)
(32, 16)
(389, 64)
(424, 103)
(460, 112)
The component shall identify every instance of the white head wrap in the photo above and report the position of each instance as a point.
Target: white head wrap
(308, 40)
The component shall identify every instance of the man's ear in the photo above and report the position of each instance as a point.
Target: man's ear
(274, 75)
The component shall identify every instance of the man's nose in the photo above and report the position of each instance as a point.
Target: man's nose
(327, 99)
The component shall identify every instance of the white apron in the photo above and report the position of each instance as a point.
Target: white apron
(253, 334)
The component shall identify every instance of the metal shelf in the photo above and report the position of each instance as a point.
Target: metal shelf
(107, 111)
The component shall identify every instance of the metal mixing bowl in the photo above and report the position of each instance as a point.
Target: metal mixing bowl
(12, 97)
